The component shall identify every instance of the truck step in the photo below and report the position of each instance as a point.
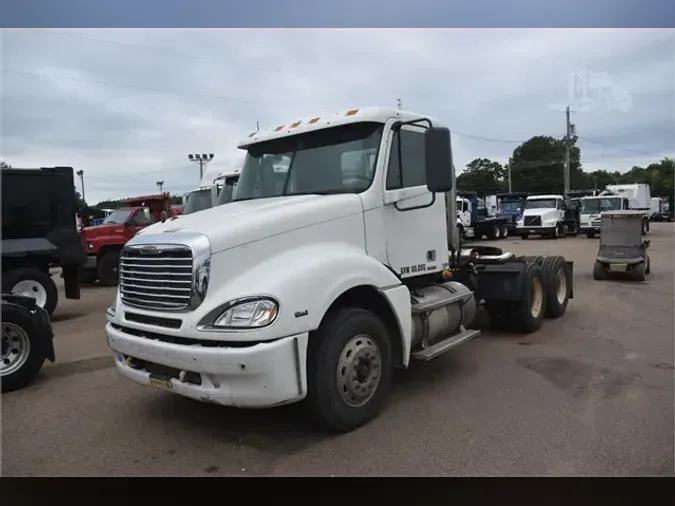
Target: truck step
(447, 344)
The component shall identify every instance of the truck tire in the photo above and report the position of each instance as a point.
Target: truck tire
(558, 232)
(648, 265)
(348, 340)
(32, 282)
(590, 234)
(108, 268)
(534, 259)
(599, 271)
(495, 232)
(639, 272)
(22, 352)
(526, 315)
(573, 229)
(558, 282)
(504, 231)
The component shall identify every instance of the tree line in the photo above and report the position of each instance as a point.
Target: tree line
(537, 165)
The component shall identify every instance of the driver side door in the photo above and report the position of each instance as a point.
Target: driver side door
(415, 233)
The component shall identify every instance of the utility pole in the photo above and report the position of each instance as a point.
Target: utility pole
(568, 131)
(160, 184)
(202, 160)
(509, 169)
(81, 174)
(257, 126)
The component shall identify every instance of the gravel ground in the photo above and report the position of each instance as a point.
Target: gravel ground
(590, 394)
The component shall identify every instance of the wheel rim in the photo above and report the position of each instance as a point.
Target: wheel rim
(505, 232)
(15, 348)
(497, 232)
(536, 298)
(33, 289)
(359, 370)
(561, 286)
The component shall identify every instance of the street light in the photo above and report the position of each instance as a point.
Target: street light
(202, 160)
(81, 174)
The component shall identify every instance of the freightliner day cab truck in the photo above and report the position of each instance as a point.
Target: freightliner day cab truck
(316, 282)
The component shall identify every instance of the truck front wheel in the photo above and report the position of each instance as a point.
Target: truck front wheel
(349, 369)
(108, 268)
(22, 352)
(32, 282)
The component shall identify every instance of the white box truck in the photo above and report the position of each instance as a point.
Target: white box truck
(318, 280)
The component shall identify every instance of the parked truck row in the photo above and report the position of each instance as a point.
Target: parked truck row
(337, 261)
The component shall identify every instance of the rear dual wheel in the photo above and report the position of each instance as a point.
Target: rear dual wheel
(525, 315)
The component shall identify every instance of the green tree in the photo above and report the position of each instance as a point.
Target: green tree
(537, 166)
(4, 165)
(482, 175)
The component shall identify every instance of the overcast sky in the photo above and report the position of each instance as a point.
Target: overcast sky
(128, 106)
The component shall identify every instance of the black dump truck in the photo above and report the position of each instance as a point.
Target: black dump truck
(39, 232)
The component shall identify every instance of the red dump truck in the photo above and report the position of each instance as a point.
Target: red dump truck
(104, 242)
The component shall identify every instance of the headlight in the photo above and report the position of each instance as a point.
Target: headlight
(248, 313)
(90, 245)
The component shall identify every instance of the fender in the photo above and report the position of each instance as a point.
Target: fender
(306, 280)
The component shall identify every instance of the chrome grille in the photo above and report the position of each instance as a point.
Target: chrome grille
(156, 277)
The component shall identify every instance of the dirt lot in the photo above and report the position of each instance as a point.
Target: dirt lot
(591, 394)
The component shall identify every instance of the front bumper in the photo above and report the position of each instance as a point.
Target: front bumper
(535, 230)
(257, 376)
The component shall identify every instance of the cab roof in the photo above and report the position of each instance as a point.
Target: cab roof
(365, 114)
(543, 197)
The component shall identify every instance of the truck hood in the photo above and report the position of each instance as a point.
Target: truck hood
(238, 223)
(544, 213)
(101, 230)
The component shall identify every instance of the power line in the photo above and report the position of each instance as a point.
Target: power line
(250, 101)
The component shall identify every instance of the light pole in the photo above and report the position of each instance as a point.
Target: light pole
(160, 184)
(81, 174)
(202, 160)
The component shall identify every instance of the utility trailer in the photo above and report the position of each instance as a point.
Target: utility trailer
(473, 220)
(39, 232)
(324, 281)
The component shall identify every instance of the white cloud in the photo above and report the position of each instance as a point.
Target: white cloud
(128, 106)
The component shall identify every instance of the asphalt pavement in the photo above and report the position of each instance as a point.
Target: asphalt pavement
(590, 394)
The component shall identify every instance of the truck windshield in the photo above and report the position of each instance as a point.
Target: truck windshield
(590, 206)
(540, 204)
(510, 205)
(198, 200)
(328, 161)
(118, 217)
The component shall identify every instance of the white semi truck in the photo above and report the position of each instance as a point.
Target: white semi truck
(619, 197)
(548, 216)
(319, 279)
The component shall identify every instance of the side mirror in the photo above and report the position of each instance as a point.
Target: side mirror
(438, 160)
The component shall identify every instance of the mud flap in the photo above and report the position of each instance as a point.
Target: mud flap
(570, 269)
(500, 282)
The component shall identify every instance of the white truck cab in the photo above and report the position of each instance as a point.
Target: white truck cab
(591, 211)
(330, 267)
(547, 215)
